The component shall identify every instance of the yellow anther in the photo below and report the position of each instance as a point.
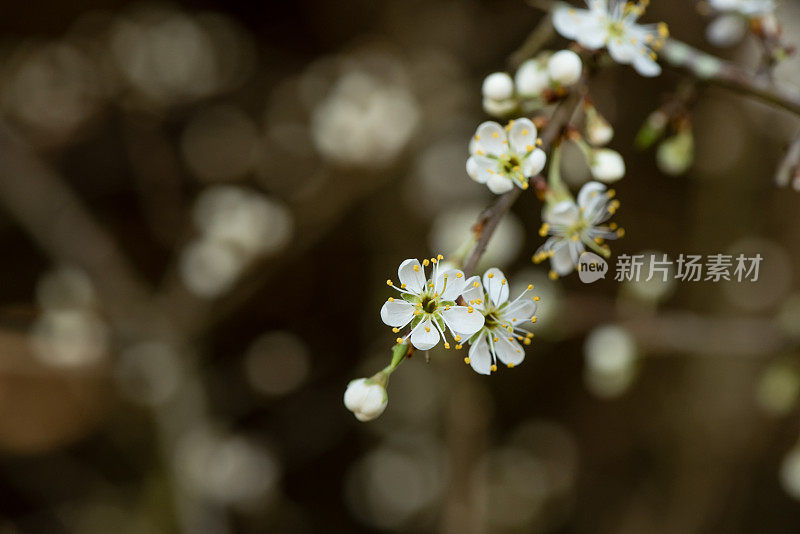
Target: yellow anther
(391, 299)
(529, 334)
(466, 360)
(458, 347)
(459, 275)
(427, 328)
(475, 284)
(525, 132)
(399, 340)
(402, 286)
(526, 341)
(470, 309)
(514, 320)
(544, 229)
(511, 338)
(613, 226)
(446, 345)
(528, 148)
(490, 275)
(425, 262)
(525, 185)
(494, 367)
(395, 330)
(458, 338)
(388, 282)
(510, 365)
(447, 307)
(552, 275)
(533, 319)
(503, 282)
(536, 299)
(439, 257)
(530, 286)
(611, 193)
(417, 312)
(477, 137)
(575, 238)
(416, 268)
(495, 135)
(621, 232)
(539, 142)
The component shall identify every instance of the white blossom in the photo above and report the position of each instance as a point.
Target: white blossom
(733, 19)
(607, 165)
(366, 398)
(599, 131)
(428, 305)
(573, 226)
(503, 160)
(501, 333)
(565, 67)
(612, 24)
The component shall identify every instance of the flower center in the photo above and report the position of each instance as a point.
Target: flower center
(429, 304)
(510, 163)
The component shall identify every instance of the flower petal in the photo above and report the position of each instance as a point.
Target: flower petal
(397, 313)
(481, 168)
(412, 274)
(491, 138)
(534, 163)
(522, 136)
(450, 284)
(645, 65)
(519, 311)
(496, 285)
(561, 260)
(508, 350)
(480, 359)
(564, 213)
(569, 21)
(589, 194)
(473, 294)
(425, 336)
(462, 321)
(498, 184)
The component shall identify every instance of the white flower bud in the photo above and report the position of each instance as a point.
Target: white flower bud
(499, 108)
(676, 154)
(607, 165)
(726, 30)
(498, 86)
(598, 130)
(611, 354)
(531, 79)
(366, 398)
(565, 67)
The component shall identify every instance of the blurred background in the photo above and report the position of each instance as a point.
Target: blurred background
(200, 202)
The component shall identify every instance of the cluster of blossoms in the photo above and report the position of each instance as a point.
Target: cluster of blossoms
(536, 82)
(733, 18)
(611, 24)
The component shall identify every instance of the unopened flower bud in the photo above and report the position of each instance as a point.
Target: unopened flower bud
(598, 130)
(498, 86)
(651, 130)
(607, 165)
(499, 108)
(565, 67)
(366, 398)
(676, 154)
(727, 30)
(531, 79)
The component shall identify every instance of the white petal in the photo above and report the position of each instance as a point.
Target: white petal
(564, 213)
(483, 168)
(425, 335)
(522, 136)
(397, 313)
(561, 261)
(589, 192)
(472, 294)
(726, 30)
(569, 21)
(519, 312)
(480, 359)
(462, 321)
(621, 50)
(534, 163)
(412, 274)
(492, 138)
(499, 184)
(508, 350)
(450, 284)
(645, 65)
(496, 285)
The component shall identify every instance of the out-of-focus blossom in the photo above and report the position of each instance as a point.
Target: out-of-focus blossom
(565, 67)
(428, 305)
(612, 24)
(573, 226)
(733, 19)
(599, 131)
(778, 388)
(149, 373)
(498, 86)
(531, 78)
(68, 338)
(790, 473)
(364, 121)
(610, 361)
(501, 161)
(209, 267)
(502, 330)
(366, 398)
(607, 165)
(676, 154)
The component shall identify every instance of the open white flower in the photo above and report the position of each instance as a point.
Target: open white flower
(502, 160)
(573, 226)
(428, 304)
(501, 333)
(366, 398)
(612, 24)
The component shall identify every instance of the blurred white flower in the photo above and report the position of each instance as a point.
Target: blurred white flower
(366, 398)
(501, 161)
(428, 305)
(778, 389)
(243, 218)
(65, 288)
(499, 338)
(610, 357)
(676, 154)
(531, 79)
(565, 68)
(573, 226)
(148, 373)
(599, 131)
(364, 121)
(498, 86)
(209, 267)
(70, 337)
(790, 473)
(612, 24)
(726, 30)
(745, 7)
(607, 165)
